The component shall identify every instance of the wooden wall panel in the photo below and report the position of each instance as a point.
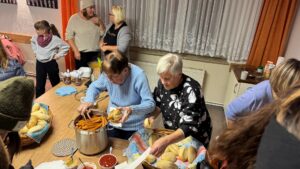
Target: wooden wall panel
(19, 38)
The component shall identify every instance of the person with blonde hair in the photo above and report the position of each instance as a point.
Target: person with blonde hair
(83, 34)
(9, 67)
(129, 91)
(283, 76)
(180, 100)
(117, 35)
(267, 138)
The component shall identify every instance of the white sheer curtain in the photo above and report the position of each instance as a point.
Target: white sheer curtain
(216, 28)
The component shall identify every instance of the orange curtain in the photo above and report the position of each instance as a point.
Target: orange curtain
(68, 8)
(273, 30)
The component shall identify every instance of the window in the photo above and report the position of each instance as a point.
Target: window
(215, 28)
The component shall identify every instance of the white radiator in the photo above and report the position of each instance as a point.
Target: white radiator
(150, 69)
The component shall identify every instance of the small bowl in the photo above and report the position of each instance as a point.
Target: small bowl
(107, 161)
(73, 165)
(88, 165)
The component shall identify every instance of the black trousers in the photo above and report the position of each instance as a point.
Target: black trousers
(42, 70)
(122, 134)
(86, 57)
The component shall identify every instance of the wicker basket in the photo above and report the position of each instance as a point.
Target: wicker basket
(160, 132)
(25, 140)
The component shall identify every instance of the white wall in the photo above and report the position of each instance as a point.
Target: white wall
(293, 49)
(216, 75)
(20, 19)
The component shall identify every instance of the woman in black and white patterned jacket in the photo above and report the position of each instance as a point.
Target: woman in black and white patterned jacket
(180, 100)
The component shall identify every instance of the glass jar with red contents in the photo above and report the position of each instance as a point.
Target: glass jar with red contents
(107, 161)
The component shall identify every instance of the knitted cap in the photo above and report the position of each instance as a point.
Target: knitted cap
(16, 96)
(86, 3)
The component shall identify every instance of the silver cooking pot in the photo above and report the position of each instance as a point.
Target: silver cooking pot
(90, 142)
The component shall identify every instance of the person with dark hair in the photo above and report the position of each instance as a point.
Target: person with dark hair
(272, 132)
(83, 34)
(9, 67)
(47, 47)
(129, 92)
(16, 95)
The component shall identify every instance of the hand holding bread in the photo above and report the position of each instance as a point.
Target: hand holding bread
(115, 116)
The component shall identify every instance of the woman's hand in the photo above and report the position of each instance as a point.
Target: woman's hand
(126, 112)
(95, 20)
(83, 108)
(159, 146)
(56, 57)
(103, 46)
(77, 55)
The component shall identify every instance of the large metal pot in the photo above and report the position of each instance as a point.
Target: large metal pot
(90, 142)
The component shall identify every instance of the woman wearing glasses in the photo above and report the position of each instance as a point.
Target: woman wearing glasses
(117, 35)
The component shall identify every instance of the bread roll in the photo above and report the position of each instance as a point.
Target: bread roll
(152, 139)
(40, 115)
(115, 115)
(32, 122)
(151, 159)
(169, 156)
(183, 156)
(147, 123)
(40, 125)
(163, 164)
(35, 107)
(173, 148)
(24, 130)
(192, 154)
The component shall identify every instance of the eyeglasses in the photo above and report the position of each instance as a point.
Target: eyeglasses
(113, 76)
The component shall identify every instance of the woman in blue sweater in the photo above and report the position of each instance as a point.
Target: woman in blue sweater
(128, 89)
(283, 77)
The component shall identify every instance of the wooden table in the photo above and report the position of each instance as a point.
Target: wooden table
(64, 110)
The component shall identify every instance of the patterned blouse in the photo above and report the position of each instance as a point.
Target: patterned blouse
(184, 107)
